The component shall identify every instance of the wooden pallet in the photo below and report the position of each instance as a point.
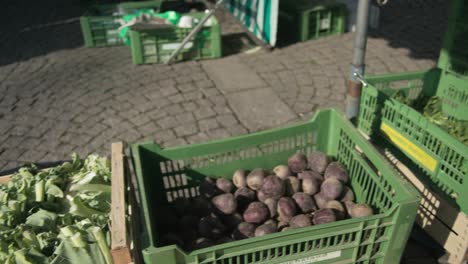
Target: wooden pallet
(124, 208)
(438, 218)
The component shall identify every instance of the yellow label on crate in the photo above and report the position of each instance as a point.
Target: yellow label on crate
(409, 147)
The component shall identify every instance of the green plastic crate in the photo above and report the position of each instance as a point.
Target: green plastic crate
(311, 19)
(442, 158)
(157, 44)
(165, 174)
(100, 23)
(454, 93)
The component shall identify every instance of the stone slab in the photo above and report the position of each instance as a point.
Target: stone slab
(260, 109)
(231, 75)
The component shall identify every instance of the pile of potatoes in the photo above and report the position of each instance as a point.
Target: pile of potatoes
(308, 191)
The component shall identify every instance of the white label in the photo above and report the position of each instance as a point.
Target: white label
(325, 23)
(314, 259)
(173, 46)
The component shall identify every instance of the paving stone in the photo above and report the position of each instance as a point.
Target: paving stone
(186, 129)
(204, 112)
(260, 108)
(227, 120)
(208, 124)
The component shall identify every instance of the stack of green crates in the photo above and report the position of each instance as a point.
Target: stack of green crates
(100, 23)
(301, 20)
(442, 159)
(165, 174)
(155, 45)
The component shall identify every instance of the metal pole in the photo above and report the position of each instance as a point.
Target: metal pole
(357, 66)
(194, 31)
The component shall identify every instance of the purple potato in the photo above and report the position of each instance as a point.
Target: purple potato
(310, 186)
(282, 171)
(244, 230)
(292, 185)
(265, 229)
(239, 179)
(231, 221)
(310, 174)
(273, 187)
(297, 163)
(256, 213)
(348, 206)
(282, 225)
(211, 227)
(300, 221)
(337, 208)
(320, 200)
(261, 196)
(286, 209)
(208, 188)
(286, 228)
(225, 203)
(347, 194)
(225, 185)
(360, 210)
(244, 197)
(323, 216)
(318, 161)
(201, 206)
(271, 222)
(338, 171)
(255, 179)
(331, 188)
(271, 204)
(305, 202)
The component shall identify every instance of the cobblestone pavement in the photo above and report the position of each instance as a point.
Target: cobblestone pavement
(57, 97)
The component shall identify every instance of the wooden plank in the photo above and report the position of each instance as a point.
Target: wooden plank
(5, 179)
(119, 242)
(438, 218)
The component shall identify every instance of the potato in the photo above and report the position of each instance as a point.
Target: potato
(318, 161)
(261, 196)
(360, 210)
(338, 171)
(347, 194)
(225, 203)
(271, 222)
(244, 230)
(225, 185)
(337, 208)
(310, 174)
(188, 222)
(202, 242)
(239, 179)
(286, 209)
(255, 179)
(201, 206)
(231, 221)
(305, 202)
(331, 188)
(208, 188)
(256, 213)
(273, 187)
(297, 163)
(300, 221)
(323, 216)
(211, 227)
(244, 197)
(292, 185)
(271, 204)
(320, 200)
(282, 171)
(310, 186)
(265, 229)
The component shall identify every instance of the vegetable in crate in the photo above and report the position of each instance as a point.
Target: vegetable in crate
(260, 204)
(57, 214)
